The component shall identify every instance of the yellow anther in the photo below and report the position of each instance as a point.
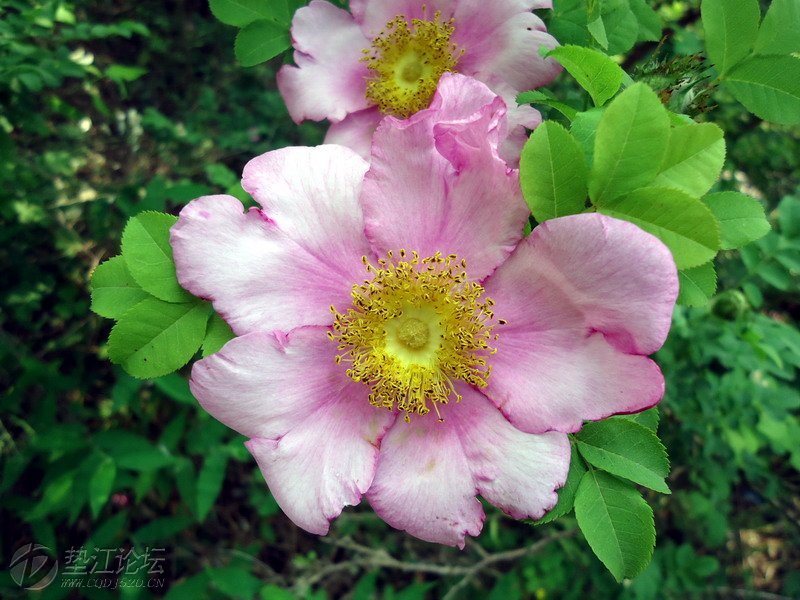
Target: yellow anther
(416, 327)
(406, 62)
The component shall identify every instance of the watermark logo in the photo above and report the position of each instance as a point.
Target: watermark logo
(32, 567)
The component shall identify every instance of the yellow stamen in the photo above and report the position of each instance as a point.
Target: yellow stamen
(407, 62)
(413, 329)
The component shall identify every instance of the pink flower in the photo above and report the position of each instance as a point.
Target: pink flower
(397, 336)
(387, 56)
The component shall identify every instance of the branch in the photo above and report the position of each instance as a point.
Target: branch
(472, 572)
(378, 558)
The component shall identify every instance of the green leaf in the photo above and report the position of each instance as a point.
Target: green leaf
(630, 145)
(731, 27)
(584, 130)
(683, 223)
(625, 449)
(243, 12)
(121, 73)
(101, 484)
(621, 25)
(553, 173)
(649, 22)
(176, 388)
(741, 218)
(594, 71)
(155, 338)
(647, 418)
(694, 159)
(218, 334)
(209, 483)
(148, 256)
(768, 86)
(566, 495)
(539, 97)
(260, 41)
(697, 285)
(161, 529)
(114, 291)
(131, 451)
(789, 216)
(617, 523)
(780, 31)
(273, 592)
(234, 581)
(598, 30)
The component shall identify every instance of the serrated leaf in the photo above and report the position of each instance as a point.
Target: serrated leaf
(617, 523)
(148, 256)
(553, 173)
(566, 495)
(647, 418)
(260, 41)
(218, 334)
(209, 483)
(539, 97)
(768, 86)
(694, 159)
(100, 485)
(594, 71)
(683, 223)
(731, 27)
(625, 449)
(780, 31)
(630, 144)
(243, 12)
(114, 290)
(155, 338)
(741, 218)
(649, 22)
(697, 285)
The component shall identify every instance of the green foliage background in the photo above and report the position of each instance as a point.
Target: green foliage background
(108, 109)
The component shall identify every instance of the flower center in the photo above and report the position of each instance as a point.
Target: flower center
(413, 333)
(413, 329)
(406, 63)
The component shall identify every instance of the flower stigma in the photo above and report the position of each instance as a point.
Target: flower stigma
(413, 329)
(407, 62)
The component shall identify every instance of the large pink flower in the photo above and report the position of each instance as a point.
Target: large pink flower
(387, 56)
(397, 336)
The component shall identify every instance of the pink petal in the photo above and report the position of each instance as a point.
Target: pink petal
(329, 80)
(429, 471)
(555, 381)
(374, 14)
(517, 472)
(355, 131)
(437, 184)
(283, 267)
(315, 434)
(520, 119)
(423, 483)
(501, 41)
(598, 293)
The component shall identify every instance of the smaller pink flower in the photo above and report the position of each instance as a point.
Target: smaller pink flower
(386, 58)
(399, 339)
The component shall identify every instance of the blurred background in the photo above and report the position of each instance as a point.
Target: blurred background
(111, 108)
